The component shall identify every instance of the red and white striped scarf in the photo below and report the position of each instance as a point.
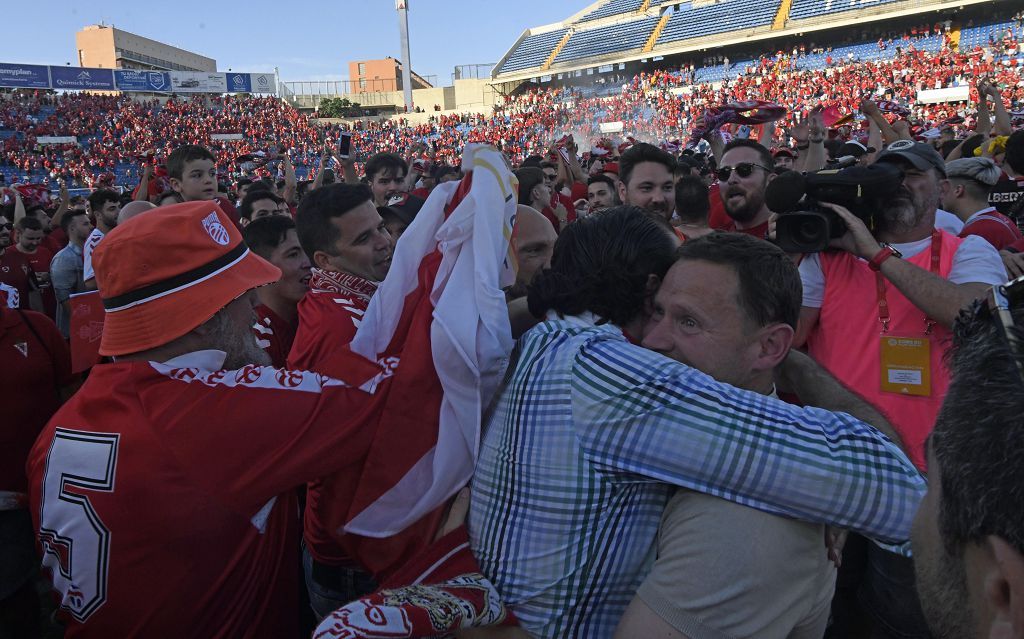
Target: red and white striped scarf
(342, 283)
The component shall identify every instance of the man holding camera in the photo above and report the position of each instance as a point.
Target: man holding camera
(877, 314)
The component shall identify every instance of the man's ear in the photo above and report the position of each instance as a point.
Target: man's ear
(1002, 586)
(621, 188)
(774, 342)
(322, 261)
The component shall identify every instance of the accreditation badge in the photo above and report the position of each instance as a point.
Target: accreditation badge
(906, 365)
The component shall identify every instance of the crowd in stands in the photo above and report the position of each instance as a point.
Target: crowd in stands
(712, 425)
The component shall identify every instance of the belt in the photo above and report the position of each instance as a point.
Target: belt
(338, 578)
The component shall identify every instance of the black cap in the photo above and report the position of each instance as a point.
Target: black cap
(404, 207)
(921, 155)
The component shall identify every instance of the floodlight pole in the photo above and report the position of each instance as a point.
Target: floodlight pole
(402, 6)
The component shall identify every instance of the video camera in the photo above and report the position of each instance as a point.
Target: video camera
(804, 226)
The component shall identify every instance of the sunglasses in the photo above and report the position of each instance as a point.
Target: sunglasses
(7, 227)
(998, 305)
(743, 169)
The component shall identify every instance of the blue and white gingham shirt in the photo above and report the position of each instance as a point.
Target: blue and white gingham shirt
(592, 434)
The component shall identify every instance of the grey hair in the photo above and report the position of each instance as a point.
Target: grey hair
(981, 170)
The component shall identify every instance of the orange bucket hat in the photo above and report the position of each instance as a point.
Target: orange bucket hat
(163, 274)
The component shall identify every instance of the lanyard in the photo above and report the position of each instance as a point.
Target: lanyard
(883, 304)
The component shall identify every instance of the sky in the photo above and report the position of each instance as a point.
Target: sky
(305, 40)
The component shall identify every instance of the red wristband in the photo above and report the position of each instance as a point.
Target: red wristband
(876, 262)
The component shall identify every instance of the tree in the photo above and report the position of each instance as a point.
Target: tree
(338, 108)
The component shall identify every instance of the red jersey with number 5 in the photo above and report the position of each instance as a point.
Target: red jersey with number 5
(163, 495)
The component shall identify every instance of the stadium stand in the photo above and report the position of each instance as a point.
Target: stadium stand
(532, 51)
(616, 38)
(690, 22)
(615, 7)
(804, 9)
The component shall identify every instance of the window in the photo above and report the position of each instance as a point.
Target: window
(362, 68)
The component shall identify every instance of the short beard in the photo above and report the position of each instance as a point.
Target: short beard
(748, 212)
(240, 347)
(942, 590)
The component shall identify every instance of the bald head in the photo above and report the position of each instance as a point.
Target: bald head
(533, 241)
(130, 210)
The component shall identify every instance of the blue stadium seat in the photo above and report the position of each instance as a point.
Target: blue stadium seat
(803, 9)
(616, 38)
(532, 51)
(615, 7)
(729, 15)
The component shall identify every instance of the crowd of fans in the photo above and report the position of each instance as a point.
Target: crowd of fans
(702, 431)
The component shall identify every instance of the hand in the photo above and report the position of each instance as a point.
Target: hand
(799, 132)
(858, 239)
(983, 87)
(835, 539)
(455, 517)
(902, 128)
(1014, 263)
(868, 107)
(816, 129)
(570, 145)
(561, 213)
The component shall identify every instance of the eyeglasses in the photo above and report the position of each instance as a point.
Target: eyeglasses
(7, 227)
(998, 304)
(744, 169)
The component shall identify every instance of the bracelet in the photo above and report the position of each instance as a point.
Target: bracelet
(875, 264)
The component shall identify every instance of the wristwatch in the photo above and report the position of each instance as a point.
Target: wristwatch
(882, 255)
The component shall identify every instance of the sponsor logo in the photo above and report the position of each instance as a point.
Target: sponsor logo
(248, 374)
(215, 229)
(288, 379)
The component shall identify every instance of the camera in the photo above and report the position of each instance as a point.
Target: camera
(804, 226)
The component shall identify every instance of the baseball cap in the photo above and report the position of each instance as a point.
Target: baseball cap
(404, 207)
(611, 167)
(783, 152)
(921, 155)
(855, 149)
(165, 274)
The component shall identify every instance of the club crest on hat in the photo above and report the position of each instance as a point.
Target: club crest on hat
(901, 145)
(215, 229)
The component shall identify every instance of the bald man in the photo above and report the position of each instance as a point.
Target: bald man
(533, 241)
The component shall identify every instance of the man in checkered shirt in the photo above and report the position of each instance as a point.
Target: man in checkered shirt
(592, 434)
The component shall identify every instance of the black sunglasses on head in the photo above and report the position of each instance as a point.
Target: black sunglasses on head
(744, 169)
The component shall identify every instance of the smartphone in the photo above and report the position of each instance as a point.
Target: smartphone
(344, 145)
(564, 153)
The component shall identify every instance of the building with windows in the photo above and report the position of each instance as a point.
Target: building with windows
(370, 76)
(106, 47)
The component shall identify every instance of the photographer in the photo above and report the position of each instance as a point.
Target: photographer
(907, 281)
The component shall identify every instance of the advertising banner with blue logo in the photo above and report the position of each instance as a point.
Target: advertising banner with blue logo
(82, 78)
(263, 83)
(24, 76)
(239, 83)
(127, 80)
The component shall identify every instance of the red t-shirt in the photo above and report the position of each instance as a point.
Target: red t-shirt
(718, 219)
(327, 324)
(33, 365)
(40, 263)
(16, 272)
(55, 241)
(164, 493)
(999, 230)
(760, 231)
(273, 334)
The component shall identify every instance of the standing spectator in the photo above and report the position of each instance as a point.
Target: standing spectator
(350, 250)
(387, 175)
(743, 176)
(273, 238)
(35, 374)
(30, 237)
(646, 179)
(970, 180)
(533, 241)
(601, 193)
(968, 535)
(67, 265)
(14, 267)
(911, 281)
(105, 205)
(692, 207)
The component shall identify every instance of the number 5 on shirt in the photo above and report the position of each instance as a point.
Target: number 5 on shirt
(76, 544)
